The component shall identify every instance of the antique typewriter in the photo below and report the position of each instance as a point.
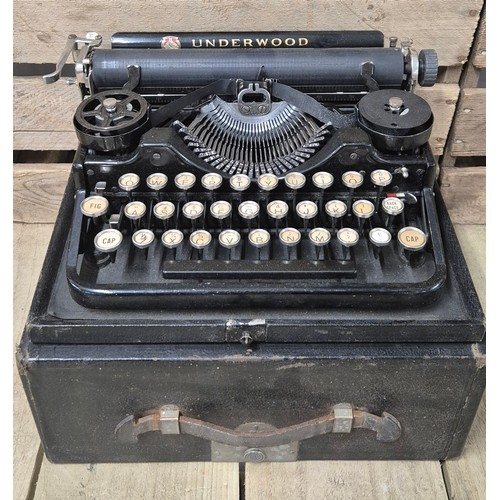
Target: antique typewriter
(252, 254)
(273, 177)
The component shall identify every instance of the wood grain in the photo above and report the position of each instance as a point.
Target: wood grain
(344, 480)
(172, 481)
(43, 114)
(468, 137)
(41, 28)
(464, 191)
(30, 243)
(479, 50)
(38, 190)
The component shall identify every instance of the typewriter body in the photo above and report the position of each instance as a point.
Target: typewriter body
(246, 223)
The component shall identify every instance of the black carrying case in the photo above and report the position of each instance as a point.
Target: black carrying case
(341, 383)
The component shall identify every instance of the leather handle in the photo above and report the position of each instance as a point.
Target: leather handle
(342, 419)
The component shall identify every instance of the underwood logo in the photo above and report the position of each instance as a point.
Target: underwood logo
(222, 43)
(170, 42)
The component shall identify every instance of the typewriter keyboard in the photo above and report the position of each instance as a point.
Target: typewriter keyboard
(313, 231)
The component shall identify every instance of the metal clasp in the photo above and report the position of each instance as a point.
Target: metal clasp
(255, 99)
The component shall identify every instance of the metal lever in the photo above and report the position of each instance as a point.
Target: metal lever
(342, 419)
(92, 40)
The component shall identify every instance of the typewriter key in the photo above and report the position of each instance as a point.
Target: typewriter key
(240, 182)
(290, 237)
(380, 178)
(229, 239)
(164, 210)
(362, 209)
(259, 238)
(306, 210)
(94, 206)
(157, 181)
(143, 238)
(267, 182)
(211, 181)
(172, 238)
(248, 210)
(277, 209)
(319, 237)
(322, 180)
(348, 238)
(129, 182)
(335, 209)
(295, 180)
(185, 181)
(379, 236)
(108, 241)
(351, 180)
(135, 210)
(412, 238)
(193, 210)
(392, 206)
(221, 210)
(200, 240)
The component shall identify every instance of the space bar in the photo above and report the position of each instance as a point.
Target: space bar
(259, 269)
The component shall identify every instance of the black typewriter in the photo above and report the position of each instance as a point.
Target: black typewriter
(270, 176)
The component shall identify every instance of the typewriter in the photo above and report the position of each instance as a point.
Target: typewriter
(222, 177)
(252, 254)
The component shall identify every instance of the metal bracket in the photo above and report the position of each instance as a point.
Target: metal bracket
(411, 60)
(261, 103)
(79, 48)
(246, 331)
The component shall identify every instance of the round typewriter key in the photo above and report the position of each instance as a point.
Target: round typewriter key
(94, 206)
(193, 210)
(200, 239)
(240, 182)
(392, 206)
(211, 181)
(129, 182)
(267, 182)
(220, 209)
(143, 238)
(348, 237)
(185, 180)
(290, 236)
(164, 210)
(336, 208)
(108, 240)
(412, 238)
(363, 209)
(157, 181)
(277, 209)
(322, 180)
(259, 237)
(352, 179)
(306, 210)
(248, 209)
(380, 237)
(172, 238)
(229, 238)
(381, 178)
(320, 236)
(295, 180)
(134, 210)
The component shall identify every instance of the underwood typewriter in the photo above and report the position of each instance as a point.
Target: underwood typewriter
(252, 253)
(222, 177)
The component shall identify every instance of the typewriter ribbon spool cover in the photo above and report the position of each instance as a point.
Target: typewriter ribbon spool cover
(265, 196)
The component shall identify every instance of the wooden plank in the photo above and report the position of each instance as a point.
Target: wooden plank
(38, 127)
(478, 58)
(464, 191)
(442, 99)
(38, 190)
(468, 136)
(344, 480)
(30, 243)
(175, 481)
(41, 28)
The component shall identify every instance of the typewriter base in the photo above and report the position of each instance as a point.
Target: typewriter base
(79, 394)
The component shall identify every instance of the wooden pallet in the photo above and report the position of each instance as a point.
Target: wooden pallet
(43, 125)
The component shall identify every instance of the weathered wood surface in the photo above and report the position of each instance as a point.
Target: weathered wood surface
(464, 191)
(468, 136)
(43, 114)
(41, 28)
(30, 243)
(344, 480)
(172, 481)
(479, 49)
